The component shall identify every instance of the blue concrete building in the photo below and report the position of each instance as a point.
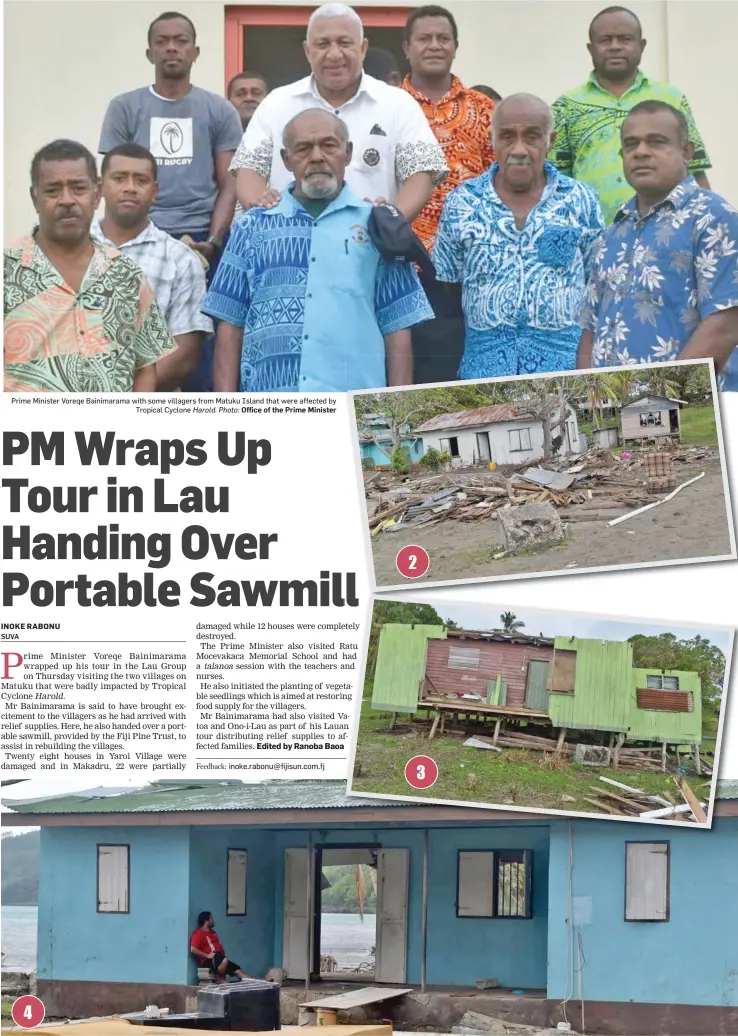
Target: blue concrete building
(637, 924)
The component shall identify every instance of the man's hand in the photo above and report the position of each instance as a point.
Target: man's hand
(206, 248)
(268, 199)
(378, 201)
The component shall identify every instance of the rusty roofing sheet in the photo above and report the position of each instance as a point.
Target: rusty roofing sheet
(471, 418)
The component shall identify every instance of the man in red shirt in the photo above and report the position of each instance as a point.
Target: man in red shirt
(207, 947)
(461, 120)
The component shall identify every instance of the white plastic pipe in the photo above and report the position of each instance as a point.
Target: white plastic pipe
(632, 514)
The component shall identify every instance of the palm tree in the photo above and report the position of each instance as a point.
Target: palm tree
(510, 622)
(621, 384)
(662, 384)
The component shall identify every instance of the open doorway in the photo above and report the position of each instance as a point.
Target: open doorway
(346, 913)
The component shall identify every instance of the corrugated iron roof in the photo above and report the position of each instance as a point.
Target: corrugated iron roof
(192, 795)
(271, 795)
(471, 418)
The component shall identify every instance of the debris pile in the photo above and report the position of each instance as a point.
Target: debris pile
(590, 489)
(621, 800)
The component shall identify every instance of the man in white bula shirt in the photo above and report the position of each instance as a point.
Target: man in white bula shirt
(396, 156)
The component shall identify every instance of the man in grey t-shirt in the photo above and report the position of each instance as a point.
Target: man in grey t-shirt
(192, 134)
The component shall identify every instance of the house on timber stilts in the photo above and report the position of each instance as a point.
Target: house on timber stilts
(569, 684)
(632, 925)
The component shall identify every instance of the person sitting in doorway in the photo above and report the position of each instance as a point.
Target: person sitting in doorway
(208, 949)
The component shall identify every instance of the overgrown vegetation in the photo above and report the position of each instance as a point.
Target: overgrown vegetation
(20, 869)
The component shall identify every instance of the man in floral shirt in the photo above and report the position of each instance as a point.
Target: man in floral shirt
(519, 240)
(665, 283)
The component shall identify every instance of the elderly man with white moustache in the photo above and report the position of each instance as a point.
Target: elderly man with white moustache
(396, 157)
(520, 240)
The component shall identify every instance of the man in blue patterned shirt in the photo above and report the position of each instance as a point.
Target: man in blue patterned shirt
(519, 239)
(305, 300)
(665, 282)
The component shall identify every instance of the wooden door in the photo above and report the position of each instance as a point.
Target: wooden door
(536, 695)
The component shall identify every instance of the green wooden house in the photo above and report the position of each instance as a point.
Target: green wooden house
(568, 683)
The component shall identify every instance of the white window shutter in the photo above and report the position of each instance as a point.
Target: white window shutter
(647, 881)
(476, 884)
(112, 879)
(236, 884)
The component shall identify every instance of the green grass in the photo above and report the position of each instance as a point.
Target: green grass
(698, 426)
(511, 777)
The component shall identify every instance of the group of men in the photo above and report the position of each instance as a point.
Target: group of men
(263, 242)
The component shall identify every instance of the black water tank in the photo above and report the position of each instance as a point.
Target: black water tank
(250, 1005)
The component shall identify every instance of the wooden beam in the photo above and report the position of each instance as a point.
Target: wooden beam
(697, 763)
(560, 742)
(498, 724)
(618, 746)
(434, 728)
(663, 756)
(691, 799)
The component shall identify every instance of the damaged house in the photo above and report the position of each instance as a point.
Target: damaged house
(636, 920)
(502, 433)
(569, 684)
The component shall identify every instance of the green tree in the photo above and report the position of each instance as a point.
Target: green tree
(661, 381)
(510, 622)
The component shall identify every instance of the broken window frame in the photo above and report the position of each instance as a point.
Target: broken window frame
(519, 857)
(473, 662)
(648, 920)
(652, 419)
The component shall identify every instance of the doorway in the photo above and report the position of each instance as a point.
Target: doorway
(483, 450)
(269, 39)
(536, 693)
(311, 933)
(346, 913)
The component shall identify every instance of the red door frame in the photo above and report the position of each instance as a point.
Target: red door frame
(239, 18)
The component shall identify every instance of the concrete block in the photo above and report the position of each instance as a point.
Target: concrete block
(592, 755)
(530, 526)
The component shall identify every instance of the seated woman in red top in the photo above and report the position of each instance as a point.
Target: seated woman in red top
(207, 947)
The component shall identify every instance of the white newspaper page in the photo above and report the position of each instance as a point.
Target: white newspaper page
(184, 587)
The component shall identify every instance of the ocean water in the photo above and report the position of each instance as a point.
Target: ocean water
(347, 938)
(18, 933)
(343, 936)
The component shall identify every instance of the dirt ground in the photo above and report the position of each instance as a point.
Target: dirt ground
(692, 525)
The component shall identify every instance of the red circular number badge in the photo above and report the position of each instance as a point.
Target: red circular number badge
(28, 1012)
(412, 562)
(421, 772)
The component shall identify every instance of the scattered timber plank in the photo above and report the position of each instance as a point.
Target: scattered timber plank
(661, 814)
(434, 727)
(478, 742)
(628, 803)
(603, 806)
(623, 787)
(691, 799)
(641, 510)
(357, 998)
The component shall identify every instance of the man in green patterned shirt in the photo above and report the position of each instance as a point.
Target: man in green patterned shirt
(588, 119)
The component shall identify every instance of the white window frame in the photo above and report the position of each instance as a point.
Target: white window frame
(661, 678)
(485, 864)
(632, 910)
(519, 432)
(107, 853)
(236, 899)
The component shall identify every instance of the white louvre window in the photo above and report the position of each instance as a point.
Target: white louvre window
(236, 882)
(662, 683)
(113, 879)
(647, 881)
(464, 658)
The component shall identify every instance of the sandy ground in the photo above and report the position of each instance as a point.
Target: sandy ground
(692, 525)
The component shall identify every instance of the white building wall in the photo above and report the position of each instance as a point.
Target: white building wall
(65, 59)
(499, 441)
